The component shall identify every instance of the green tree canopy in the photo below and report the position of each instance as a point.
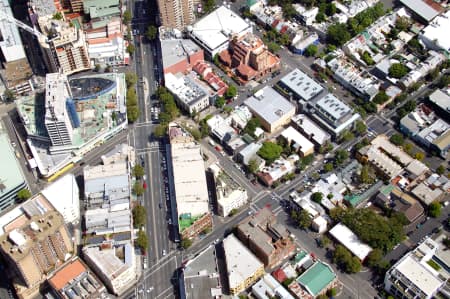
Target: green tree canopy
(138, 171)
(273, 47)
(160, 130)
(311, 50)
(374, 257)
(126, 18)
(23, 194)
(220, 102)
(360, 128)
(142, 240)
(397, 70)
(440, 170)
(208, 5)
(139, 216)
(253, 165)
(152, 32)
(186, 243)
(317, 197)
(337, 34)
(130, 79)
(328, 167)
(138, 189)
(251, 126)
(131, 49)
(9, 95)
(304, 220)
(434, 209)
(270, 151)
(231, 92)
(397, 139)
(381, 98)
(340, 156)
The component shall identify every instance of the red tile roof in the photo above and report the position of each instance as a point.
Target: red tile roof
(69, 272)
(279, 275)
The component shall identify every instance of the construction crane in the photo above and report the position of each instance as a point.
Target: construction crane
(9, 18)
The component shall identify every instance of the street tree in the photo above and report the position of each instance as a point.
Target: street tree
(360, 128)
(419, 156)
(328, 167)
(139, 216)
(440, 170)
(138, 171)
(340, 156)
(311, 50)
(152, 32)
(131, 49)
(142, 240)
(304, 220)
(186, 243)
(231, 92)
(381, 98)
(160, 130)
(138, 189)
(397, 139)
(374, 257)
(130, 79)
(126, 18)
(253, 165)
(220, 102)
(434, 209)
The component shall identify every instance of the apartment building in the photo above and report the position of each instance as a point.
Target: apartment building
(67, 51)
(104, 32)
(58, 122)
(266, 238)
(34, 242)
(114, 263)
(297, 141)
(243, 268)
(279, 168)
(176, 13)
(413, 277)
(311, 130)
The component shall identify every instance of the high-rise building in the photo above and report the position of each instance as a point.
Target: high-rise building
(67, 50)
(34, 242)
(176, 13)
(57, 119)
(14, 67)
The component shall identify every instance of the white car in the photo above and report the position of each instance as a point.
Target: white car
(164, 252)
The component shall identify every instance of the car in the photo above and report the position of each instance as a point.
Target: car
(160, 205)
(170, 221)
(13, 144)
(164, 252)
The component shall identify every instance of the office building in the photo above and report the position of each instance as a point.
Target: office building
(334, 115)
(271, 108)
(413, 276)
(64, 195)
(214, 31)
(310, 130)
(58, 122)
(15, 70)
(349, 240)
(75, 279)
(176, 13)
(268, 240)
(190, 94)
(229, 194)
(33, 242)
(190, 188)
(12, 179)
(243, 268)
(179, 55)
(299, 87)
(114, 264)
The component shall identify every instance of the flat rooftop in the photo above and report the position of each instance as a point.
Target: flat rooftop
(201, 275)
(185, 88)
(428, 10)
(11, 176)
(241, 263)
(332, 107)
(441, 99)
(301, 84)
(190, 186)
(438, 31)
(216, 28)
(269, 104)
(310, 128)
(176, 50)
(12, 49)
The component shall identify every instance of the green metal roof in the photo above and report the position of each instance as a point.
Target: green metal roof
(316, 278)
(298, 257)
(387, 189)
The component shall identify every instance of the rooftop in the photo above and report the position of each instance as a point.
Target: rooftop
(437, 31)
(269, 104)
(345, 236)
(441, 99)
(317, 278)
(216, 28)
(333, 108)
(176, 50)
(425, 9)
(298, 140)
(11, 45)
(11, 176)
(311, 129)
(301, 84)
(185, 88)
(201, 275)
(268, 285)
(241, 263)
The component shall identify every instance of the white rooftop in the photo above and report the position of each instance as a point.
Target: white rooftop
(293, 135)
(438, 30)
(333, 107)
(303, 85)
(57, 91)
(347, 238)
(241, 263)
(190, 186)
(269, 104)
(421, 8)
(11, 44)
(216, 28)
(310, 128)
(185, 88)
(418, 274)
